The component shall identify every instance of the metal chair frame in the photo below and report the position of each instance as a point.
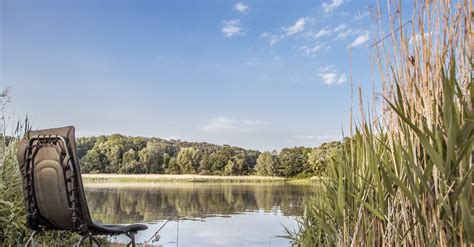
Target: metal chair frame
(34, 218)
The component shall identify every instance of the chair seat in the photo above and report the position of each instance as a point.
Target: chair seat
(116, 229)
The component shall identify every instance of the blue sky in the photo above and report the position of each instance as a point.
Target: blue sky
(256, 74)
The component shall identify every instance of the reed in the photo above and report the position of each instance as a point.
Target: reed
(162, 178)
(405, 176)
(13, 227)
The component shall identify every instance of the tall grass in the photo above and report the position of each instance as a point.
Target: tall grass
(13, 227)
(406, 177)
(12, 210)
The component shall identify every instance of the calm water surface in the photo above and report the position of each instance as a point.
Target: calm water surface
(209, 214)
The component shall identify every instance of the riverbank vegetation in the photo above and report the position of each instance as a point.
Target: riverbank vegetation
(405, 178)
(168, 178)
(121, 154)
(13, 227)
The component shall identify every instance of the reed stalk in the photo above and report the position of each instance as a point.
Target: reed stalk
(405, 178)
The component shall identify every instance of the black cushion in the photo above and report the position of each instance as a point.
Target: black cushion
(116, 229)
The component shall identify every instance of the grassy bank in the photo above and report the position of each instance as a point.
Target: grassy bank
(162, 178)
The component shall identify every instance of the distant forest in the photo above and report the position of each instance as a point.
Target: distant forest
(135, 155)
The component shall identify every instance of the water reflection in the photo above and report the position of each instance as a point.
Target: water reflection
(228, 213)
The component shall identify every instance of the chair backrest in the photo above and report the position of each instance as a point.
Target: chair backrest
(52, 181)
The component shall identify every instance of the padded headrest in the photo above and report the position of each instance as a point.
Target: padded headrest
(66, 132)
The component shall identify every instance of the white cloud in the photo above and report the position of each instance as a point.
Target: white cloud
(417, 38)
(241, 7)
(323, 32)
(361, 39)
(342, 79)
(328, 7)
(307, 50)
(222, 124)
(343, 34)
(327, 68)
(276, 59)
(330, 76)
(340, 28)
(231, 27)
(263, 35)
(322, 138)
(296, 28)
(273, 41)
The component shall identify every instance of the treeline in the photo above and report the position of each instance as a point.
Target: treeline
(135, 155)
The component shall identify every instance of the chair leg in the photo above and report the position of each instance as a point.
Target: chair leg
(92, 239)
(81, 240)
(31, 239)
(131, 235)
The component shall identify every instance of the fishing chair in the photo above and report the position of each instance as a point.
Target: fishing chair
(53, 189)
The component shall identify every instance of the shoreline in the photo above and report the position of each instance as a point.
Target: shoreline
(106, 178)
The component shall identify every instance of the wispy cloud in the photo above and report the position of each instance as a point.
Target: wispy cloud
(330, 6)
(273, 41)
(361, 14)
(330, 76)
(223, 124)
(341, 31)
(340, 27)
(241, 7)
(342, 79)
(343, 34)
(361, 39)
(231, 28)
(297, 27)
(308, 50)
(418, 38)
(263, 35)
(323, 32)
(322, 138)
(327, 68)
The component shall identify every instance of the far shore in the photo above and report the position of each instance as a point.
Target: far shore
(102, 178)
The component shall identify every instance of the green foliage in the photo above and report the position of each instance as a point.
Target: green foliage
(319, 158)
(293, 161)
(13, 229)
(151, 157)
(267, 164)
(137, 155)
(188, 160)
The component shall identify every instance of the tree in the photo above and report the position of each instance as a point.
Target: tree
(94, 162)
(130, 163)
(188, 160)
(173, 167)
(220, 158)
(292, 161)
(205, 165)
(166, 160)
(114, 154)
(267, 164)
(114, 147)
(319, 158)
(83, 145)
(151, 157)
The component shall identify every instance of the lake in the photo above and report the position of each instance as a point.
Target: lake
(210, 214)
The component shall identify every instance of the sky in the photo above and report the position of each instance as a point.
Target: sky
(256, 74)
